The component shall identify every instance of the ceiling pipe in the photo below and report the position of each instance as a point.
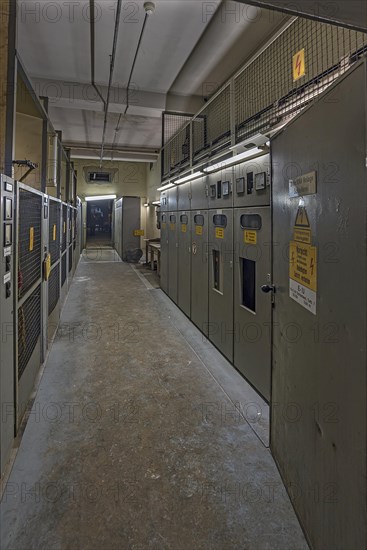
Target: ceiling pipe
(92, 50)
(112, 66)
(149, 9)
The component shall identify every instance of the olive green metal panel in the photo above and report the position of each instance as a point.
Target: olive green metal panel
(184, 261)
(220, 260)
(318, 432)
(172, 255)
(199, 269)
(252, 307)
(164, 251)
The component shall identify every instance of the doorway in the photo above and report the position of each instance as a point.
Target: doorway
(99, 223)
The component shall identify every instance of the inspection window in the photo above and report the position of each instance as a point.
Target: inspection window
(220, 224)
(251, 223)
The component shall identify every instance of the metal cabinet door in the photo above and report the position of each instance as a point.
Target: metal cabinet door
(164, 252)
(173, 256)
(184, 262)
(199, 269)
(252, 307)
(220, 258)
(184, 196)
(199, 194)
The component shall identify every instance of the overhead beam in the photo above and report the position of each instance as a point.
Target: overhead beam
(345, 13)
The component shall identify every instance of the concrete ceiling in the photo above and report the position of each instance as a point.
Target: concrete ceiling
(189, 48)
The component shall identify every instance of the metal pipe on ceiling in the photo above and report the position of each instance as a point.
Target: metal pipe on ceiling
(112, 66)
(149, 10)
(92, 49)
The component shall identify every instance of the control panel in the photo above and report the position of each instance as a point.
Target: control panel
(7, 295)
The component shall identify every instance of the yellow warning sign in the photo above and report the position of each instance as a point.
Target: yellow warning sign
(31, 238)
(302, 235)
(164, 225)
(54, 232)
(299, 65)
(139, 233)
(219, 232)
(302, 218)
(47, 267)
(199, 229)
(64, 227)
(172, 226)
(250, 237)
(184, 228)
(303, 264)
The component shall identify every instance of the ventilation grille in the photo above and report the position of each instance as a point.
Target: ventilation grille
(29, 329)
(29, 240)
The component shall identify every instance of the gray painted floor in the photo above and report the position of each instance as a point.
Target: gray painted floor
(141, 435)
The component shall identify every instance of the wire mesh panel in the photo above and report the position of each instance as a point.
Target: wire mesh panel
(176, 154)
(212, 127)
(70, 257)
(64, 227)
(75, 227)
(29, 328)
(63, 269)
(301, 63)
(53, 288)
(54, 230)
(172, 124)
(29, 240)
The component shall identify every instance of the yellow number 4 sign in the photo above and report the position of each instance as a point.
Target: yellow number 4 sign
(299, 65)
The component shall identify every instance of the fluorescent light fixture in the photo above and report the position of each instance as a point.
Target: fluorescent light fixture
(190, 177)
(167, 186)
(156, 203)
(255, 141)
(146, 204)
(233, 160)
(100, 198)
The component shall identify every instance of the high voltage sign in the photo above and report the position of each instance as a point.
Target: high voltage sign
(299, 66)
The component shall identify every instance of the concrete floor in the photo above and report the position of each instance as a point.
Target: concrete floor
(141, 435)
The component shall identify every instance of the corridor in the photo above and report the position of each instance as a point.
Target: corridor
(141, 434)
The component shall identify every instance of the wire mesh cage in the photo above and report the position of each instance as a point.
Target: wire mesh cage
(212, 127)
(70, 257)
(63, 269)
(53, 288)
(64, 226)
(75, 227)
(29, 328)
(54, 230)
(29, 240)
(300, 64)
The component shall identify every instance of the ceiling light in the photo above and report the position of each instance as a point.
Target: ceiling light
(156, 203)
(190, 177)
(234, 160)
(146, 204)
(149, 8)
(100, 198)
(167, 186)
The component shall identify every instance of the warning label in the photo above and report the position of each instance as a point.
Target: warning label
(299, 65)
(31, 238)
(139, 233)
(303, 263)
(219, 232)
(199, 230)
(184, 228)
(250, 237)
